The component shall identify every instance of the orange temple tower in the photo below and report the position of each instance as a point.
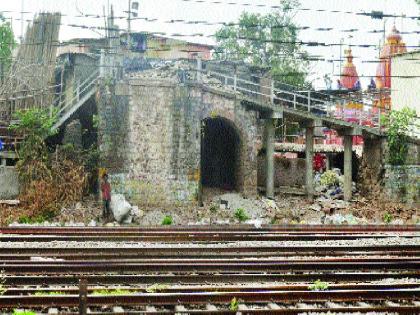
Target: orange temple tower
(349, 78)
(394, 45)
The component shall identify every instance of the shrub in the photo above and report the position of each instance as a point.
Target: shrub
(241, 215)
(167, 220)
(49, 180)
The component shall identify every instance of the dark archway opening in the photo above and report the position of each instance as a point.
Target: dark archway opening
(220, 154)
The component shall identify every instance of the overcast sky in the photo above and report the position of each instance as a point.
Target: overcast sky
(166, 10)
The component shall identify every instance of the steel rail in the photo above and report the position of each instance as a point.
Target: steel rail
(128, 279)
(188, 238)
(221, 228)
(55, 268)
(206, 288)
(406, 310)
(121, 255)
(232, 260)
(211, 297)
(170, 248)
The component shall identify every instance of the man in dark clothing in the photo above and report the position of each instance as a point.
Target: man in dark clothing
(106, 197)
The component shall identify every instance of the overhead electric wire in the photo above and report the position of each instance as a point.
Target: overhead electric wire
(373, 14)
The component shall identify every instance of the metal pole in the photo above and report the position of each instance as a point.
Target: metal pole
(309, 101)
(309, 151)
(348, 141)
(82, 296)
(270, 131)
(272, 91)
(129, 25)
(21, 20)
(341, 44)
(199, 68)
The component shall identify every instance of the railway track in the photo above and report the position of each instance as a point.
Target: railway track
(211, 270)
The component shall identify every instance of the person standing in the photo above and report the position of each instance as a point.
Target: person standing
(106, 197)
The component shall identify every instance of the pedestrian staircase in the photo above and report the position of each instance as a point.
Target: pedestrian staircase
(79, 95)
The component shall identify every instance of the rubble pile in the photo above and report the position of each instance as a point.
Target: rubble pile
(179, 72)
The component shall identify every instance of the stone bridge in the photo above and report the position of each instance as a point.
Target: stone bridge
(168, 135)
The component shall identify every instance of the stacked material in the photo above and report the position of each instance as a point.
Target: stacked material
(30, 80)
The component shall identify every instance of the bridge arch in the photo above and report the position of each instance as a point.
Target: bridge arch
(221, 154)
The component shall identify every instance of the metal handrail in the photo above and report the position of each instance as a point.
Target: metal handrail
(86, 84)
(329, 106)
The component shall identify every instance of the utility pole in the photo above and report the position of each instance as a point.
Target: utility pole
(22, 4)
(129, 26)
(341, 49)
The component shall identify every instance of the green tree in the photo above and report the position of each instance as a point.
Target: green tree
(266, 41)
(7, 44)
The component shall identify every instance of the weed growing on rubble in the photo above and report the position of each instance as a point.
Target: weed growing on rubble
(167, 220)
(213, 209)
(318, 285)
(234, 305)
(241, 215)
(388, 218)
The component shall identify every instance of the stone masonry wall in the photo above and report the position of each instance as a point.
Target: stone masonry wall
(9, 182)
(393, 183)
(150, 134)
(287, 172)
(402, 183)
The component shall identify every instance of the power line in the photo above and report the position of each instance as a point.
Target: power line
(372, 14)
